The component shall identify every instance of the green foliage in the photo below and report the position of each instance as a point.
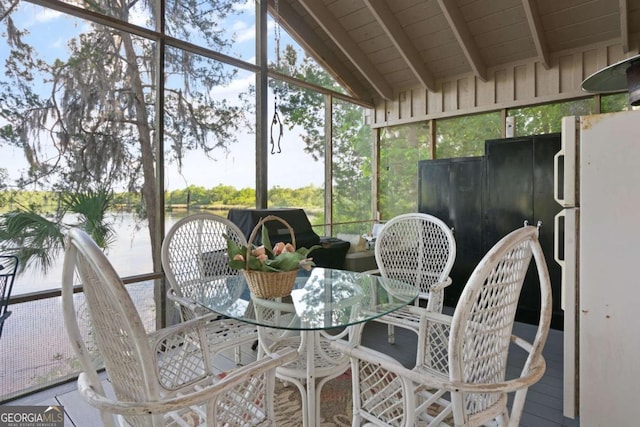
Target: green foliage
(37, 239)
(352, 165)
(31, 237)
(280, 197)
(309, 197)
(614, 102)
(547, 118)
(401, 147)
(4, 179)
(222, 194)
(91, 207)
(244, 197)
(465, 135)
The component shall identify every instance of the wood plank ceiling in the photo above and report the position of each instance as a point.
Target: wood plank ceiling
(376, 48)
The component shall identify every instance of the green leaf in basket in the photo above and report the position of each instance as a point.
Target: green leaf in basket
(269, 268)
(233, 249)
(305, 252)
(265, 240)
(232, 246)
(269, 253)
(285, 262)
(236, 264)
(255, 264)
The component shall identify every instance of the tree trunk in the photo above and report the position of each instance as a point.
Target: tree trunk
(149, 193)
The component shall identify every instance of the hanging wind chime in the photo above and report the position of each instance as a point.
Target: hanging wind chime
(276, 123)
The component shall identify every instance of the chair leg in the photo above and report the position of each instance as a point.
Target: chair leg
(517, 406)
(391, 334)
(238, 355)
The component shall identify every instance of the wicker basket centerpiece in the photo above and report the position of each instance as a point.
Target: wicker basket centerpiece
(270, 271)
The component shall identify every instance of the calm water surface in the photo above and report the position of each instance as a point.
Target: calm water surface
(130, 254)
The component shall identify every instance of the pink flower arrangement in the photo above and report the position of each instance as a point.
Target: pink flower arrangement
(280, 257)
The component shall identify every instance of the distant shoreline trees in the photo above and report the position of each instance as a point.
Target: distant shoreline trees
(195, 197)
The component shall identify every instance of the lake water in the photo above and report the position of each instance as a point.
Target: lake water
(130, 254)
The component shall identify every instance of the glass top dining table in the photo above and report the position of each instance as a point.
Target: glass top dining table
(323, 299)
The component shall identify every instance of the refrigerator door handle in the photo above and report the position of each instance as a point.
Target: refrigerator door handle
(568, 152)
(556, 176)
(556, 254)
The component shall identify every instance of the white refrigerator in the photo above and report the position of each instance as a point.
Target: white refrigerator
(597, 244)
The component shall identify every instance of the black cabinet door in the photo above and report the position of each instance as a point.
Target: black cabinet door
(508, 195)
(518, 188)
(433, 188)
(465, 183)
(451, 189)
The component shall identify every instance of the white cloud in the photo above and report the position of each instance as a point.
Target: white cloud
(32, 15)
(59, 43)
(139, 15)
(46, 15)
(244, 32)
(249, 5)
(239, 25)
(236, 87)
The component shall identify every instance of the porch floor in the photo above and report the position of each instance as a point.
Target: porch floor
(543, 406)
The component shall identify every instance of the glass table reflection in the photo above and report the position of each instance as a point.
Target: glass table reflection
(324, 305)
(323, 299)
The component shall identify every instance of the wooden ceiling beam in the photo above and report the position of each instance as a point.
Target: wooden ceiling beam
(339, 36)
(393, 29)
(295, 26)
(463, 35)
(537, 32)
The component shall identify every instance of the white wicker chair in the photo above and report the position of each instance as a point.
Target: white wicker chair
(419, 249)
(194, 254)
(163, 378)
(460, 373)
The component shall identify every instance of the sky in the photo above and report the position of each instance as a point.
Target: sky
(292, 168)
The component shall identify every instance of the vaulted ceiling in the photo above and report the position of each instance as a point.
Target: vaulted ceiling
(376, 48)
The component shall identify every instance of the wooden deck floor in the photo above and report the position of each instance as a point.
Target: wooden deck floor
(543, 407)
